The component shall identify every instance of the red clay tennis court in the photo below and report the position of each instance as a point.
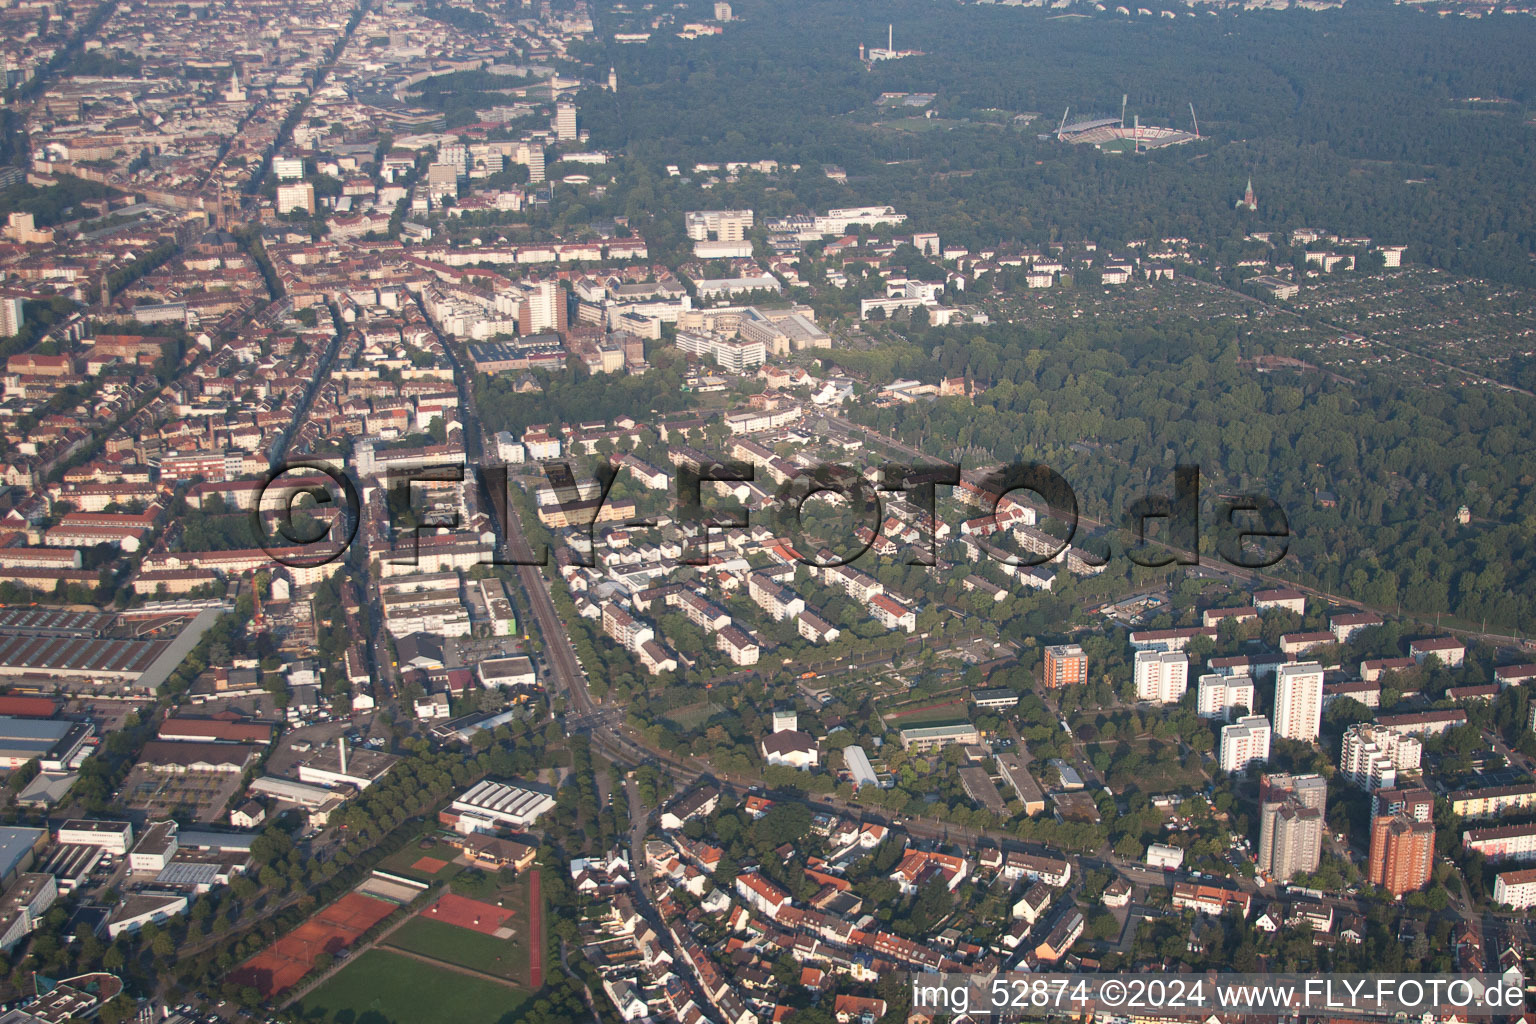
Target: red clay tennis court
(431, 865)
(283, 963)
(451, 908)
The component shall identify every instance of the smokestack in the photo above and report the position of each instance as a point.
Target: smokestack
(890, 38)
(341, 751)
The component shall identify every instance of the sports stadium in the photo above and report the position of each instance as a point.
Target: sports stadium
(1112, 135)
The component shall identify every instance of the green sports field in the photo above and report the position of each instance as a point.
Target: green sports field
(506, 958)
(381, 987)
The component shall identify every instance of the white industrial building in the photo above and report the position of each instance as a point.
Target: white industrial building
(501, 805)
(115, 837)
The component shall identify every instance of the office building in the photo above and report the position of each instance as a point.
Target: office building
(923, 738)
(113, 836)
(1299, 701)
(565, 122)
(300, 196)
(717, 225)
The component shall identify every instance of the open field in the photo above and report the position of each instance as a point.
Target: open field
(383, 987)
(506, 958)
(693, 715)
(413, 860)
(475, 933)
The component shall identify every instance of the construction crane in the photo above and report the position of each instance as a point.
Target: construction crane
(1062, 127)
(1195, 119)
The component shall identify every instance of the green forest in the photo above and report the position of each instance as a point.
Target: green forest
(1359, 120)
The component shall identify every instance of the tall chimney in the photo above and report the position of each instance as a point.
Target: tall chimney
(341, 751)
(890, 38)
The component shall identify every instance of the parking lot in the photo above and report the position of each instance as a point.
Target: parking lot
(201, 796)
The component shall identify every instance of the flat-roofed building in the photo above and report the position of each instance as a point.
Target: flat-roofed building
(54, 743)
(155, 848)
(979, 787)
(1370, 756)
(923, 738)
(1245, 742)
(1015, 771)
(19, 848)
(1299, 701)
(513, 673)
(1222, 695)
(1065, 665)
(23, 905)
(1161, 676)
(113, 836)
(341, 765)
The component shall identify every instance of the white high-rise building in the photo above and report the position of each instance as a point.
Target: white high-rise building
(11, 315)
(565, 122)
(1370, 756)
(717, 225)
(1245, 742)
(1161, 676)
(1299, 701)
(1220, 696)
(296, 197)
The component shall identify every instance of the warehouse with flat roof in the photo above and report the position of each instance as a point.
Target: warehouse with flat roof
(53, 742)
(18, 849)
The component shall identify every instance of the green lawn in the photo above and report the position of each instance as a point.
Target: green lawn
(381, 987)
(400, 861)
(693, 715)
(507, 958)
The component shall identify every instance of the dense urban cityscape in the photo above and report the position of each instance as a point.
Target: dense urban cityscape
(715, 512)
